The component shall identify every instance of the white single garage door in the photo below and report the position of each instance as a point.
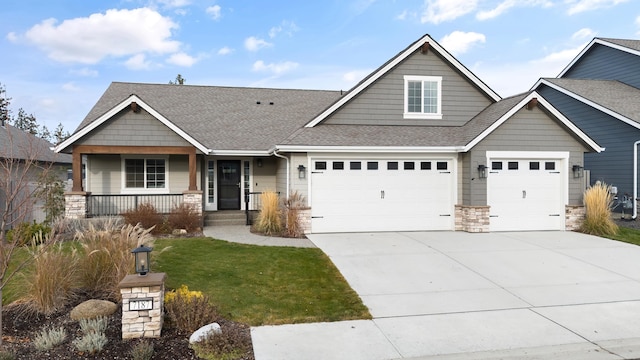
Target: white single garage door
(526, 194)
(351, 195)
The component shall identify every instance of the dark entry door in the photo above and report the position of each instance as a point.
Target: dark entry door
(229, 185)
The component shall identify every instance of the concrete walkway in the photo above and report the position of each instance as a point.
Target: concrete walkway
(241, 234)
(454, 295)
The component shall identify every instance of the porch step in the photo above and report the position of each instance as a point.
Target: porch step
(225, 217)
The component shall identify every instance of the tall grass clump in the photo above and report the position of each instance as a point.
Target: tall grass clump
(269, 219)
(50, 284)
(292, 206)
(598, 202)
(106, 258)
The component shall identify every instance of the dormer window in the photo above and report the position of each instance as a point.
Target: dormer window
(422, 97)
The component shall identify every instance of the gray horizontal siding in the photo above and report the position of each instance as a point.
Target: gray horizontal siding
(605, 63)
(382, 103)
(614, 166)
(128, 129)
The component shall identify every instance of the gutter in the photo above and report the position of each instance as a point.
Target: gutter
(275, 153)
(635, 179)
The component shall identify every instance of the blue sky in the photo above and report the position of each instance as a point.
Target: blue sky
(59, 56)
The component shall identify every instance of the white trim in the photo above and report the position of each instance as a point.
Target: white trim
(591, 44)
(395, 61)
(566, 122)
(370, 149)
(594, 105)
(144, 190)
(422, 115)
(116, 109)
(240, 152)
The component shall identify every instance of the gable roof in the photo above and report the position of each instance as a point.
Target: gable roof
(393, 62)
(626, 45)
(327, 138)
(609, 96)
(18, 144)
(213, 118)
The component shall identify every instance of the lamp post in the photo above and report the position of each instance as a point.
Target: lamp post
(142, 255)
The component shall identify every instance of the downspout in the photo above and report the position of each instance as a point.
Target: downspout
(635, 179)
(275, 153)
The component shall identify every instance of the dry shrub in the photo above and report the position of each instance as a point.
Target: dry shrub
(189, 310)
(185, 216)
(231, 343)
(292, 206)
(50, 285)
(106, 258)
(146, 215)
(269, 218)
(598, 202)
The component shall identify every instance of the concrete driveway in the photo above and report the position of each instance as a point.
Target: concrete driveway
(455, 295)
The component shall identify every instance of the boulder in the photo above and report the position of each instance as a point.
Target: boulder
(201, 333)
(91, 309)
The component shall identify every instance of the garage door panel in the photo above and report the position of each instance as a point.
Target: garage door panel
(396, 197)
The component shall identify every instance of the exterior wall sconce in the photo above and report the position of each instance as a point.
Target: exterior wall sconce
(578, 171)
(482, 171)
(143, 258)
(302, 172)
(259, 162)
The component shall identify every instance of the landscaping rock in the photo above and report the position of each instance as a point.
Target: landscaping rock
(93, 308)
(201, 333)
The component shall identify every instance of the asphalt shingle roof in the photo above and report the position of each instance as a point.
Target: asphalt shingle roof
(628, 43)
(611, 94)
(18, 144)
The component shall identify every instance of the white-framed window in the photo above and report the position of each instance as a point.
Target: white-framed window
(145, 175)
(422, 97)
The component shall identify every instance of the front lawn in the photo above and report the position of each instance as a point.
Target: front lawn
(628, 235)
(260, 285)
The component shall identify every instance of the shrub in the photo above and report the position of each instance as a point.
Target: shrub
(189, 310)
(7, 355)
(184, 216)
(91, 343)
(146, 215)
(292, 206)
(106, 258)
(24, 233)
(143, 350)
(269, 220)
(598, 202)
(49, 338)
(95, 325)
(50, 284)
(229, 344)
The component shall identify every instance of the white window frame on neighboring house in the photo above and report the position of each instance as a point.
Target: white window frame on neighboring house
(435, 83)
(145, 189)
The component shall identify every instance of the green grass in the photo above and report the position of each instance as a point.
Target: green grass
(260, 285)
(628, 235)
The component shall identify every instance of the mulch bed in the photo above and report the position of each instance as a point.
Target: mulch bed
(20, 329)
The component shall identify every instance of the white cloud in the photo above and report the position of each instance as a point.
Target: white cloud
(225, 51)
(287, 27)
(13, 37)
(174, 3)
(252, 43)
(354, 76)
(638, 24)
(459, 42)
(437, 11)
(86, 72)
(275, 68)
(70, 86)
(584, 33)
(505, 5)
(114, 33)
(214, 11)
(138, 62)
(182, 59)
(578, 6)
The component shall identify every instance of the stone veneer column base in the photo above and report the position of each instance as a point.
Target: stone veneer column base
(574, 217)
(75, 204)
(194, 199)
(473, 219)
(142, 323)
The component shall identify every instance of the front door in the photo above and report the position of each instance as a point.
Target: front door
(229, 185)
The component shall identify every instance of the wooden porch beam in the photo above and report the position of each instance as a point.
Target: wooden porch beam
(192, 169)
(102, 149)
(76, 168)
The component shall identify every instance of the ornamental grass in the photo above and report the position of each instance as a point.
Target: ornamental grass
(270, 218)
(598, 201)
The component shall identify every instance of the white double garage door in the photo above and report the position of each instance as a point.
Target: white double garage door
(351, 194)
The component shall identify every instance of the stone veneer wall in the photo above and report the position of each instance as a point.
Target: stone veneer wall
(144, 323)
(304, 217)
(193, 198)
(75, 205)
(574, 217)
(474, 219)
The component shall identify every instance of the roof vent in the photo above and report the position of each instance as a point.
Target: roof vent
(270, 102)
(258, 102)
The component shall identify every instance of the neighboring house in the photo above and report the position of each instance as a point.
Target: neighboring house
(23, 158)
(599, 91)
(419, 144)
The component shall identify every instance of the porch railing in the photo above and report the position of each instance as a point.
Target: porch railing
(111, 205)
(252, 204)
